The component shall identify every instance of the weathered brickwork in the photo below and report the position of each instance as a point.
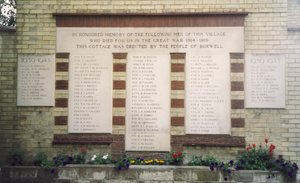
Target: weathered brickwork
(293, 14)
(292, 116)
(271, 26)
(9, 118)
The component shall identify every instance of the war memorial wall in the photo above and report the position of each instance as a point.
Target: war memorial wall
(144, 78)
(147, 51)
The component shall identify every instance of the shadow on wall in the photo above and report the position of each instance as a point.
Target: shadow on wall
(4, 28)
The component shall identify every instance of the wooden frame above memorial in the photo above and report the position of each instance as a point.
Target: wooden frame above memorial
(117, 141)
(150, 20)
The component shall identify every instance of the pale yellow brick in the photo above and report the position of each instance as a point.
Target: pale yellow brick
(119, 111)
(118, 129)
(119, 75)
(61, 93)
(177, 94)
(177, 112)
(177, 130)
(119, 93)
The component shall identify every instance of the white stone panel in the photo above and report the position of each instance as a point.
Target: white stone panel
(148, 103)
(36, 80)
(151, 40)
(265, 81)
(90, 94)
(207, 94)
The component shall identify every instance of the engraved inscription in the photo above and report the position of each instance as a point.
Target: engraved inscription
(265, 81)
(148, 103)
(36, 80)
(90, 94)
(151, 40)
(207, 94)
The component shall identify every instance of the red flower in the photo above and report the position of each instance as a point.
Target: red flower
(271, 149)
(266, 140)
(179, 154)
(248, 148)
(253, 145)
(174, 155)
(82, 150)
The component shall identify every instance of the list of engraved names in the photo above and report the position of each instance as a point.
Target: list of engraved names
(148, 103)
(265, 81)
(36, 80)
(207, 94)
(90, 94)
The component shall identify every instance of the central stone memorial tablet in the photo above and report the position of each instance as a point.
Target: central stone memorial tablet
(147, 120)
(148, 103)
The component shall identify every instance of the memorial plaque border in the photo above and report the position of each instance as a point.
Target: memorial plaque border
(178, 142)
(150, 20)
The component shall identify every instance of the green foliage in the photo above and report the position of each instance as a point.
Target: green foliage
(40, 159)
(253, 158)
(262, 158)
(122, 163)
(213, 163)
(288, 168)
(224, 167)
(8, 12)
(15, 157)
(60, 160)
(256, 158)
(202, 160)
(175, 158)
(79, 158)
(101, 159)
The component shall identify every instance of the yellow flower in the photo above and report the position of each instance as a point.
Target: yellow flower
(161, 161)
(132, 162)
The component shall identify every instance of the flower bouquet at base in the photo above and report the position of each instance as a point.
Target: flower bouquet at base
(175, 158)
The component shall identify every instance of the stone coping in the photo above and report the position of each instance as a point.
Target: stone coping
(135, 174)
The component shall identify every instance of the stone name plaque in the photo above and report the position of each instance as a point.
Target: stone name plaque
(265, 81)
(90, 94)
(207, 97)
(148, 103)
(36, 80)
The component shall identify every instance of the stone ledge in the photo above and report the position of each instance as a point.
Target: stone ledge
(26, 174)
(136, 173)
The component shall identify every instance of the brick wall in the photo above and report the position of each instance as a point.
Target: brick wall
(266, 26)
(9, 122)
(268, 35)
(293, 14)
(292, 117)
